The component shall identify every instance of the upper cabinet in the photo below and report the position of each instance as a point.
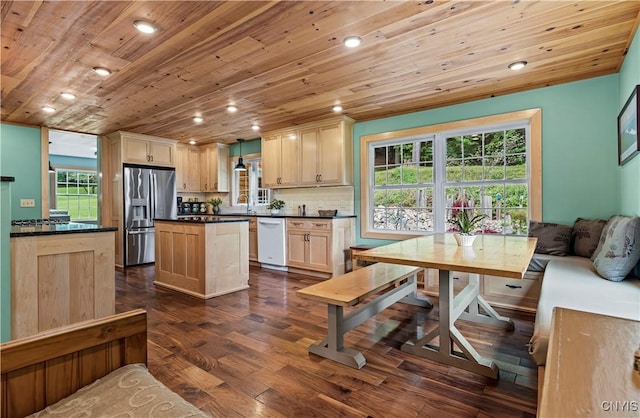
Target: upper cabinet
(187, 168)
(280, 154)
(314, 154)
(214, 168)
(146, 149)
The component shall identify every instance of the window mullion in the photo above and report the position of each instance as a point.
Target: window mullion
(439, 168)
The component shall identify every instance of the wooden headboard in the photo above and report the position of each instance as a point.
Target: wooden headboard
(39, 370)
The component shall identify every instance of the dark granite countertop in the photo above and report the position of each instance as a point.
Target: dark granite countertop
(205, 219)
(57, 229)
(287, 216)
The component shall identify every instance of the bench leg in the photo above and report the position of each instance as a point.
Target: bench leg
(449, 335)
(333, 347)
(414, 298)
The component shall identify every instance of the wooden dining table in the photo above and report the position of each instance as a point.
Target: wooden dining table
(496, 255)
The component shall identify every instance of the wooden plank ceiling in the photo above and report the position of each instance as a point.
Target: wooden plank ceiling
(283, 63)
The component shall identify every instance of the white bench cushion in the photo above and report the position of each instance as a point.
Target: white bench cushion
(571, 282)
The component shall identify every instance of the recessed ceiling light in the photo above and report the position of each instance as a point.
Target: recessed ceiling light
(48, 109)
(352, 41)
(337, 108)
(144, 26)
(231, 109)
(197, 119)
(102, 71)
(255, 127)
(67, 96)
(192, 141)
(519, 65)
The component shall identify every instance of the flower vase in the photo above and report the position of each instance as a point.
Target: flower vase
(275, 212)
(464, 240)
(216, 210)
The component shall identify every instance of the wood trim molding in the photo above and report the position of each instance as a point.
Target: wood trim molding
(44, 170)
(533, 116)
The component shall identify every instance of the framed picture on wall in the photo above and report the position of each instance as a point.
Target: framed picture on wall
(628, 139)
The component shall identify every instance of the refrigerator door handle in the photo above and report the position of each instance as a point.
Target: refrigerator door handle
(152, 197)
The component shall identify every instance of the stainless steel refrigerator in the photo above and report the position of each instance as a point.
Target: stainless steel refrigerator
(149, 192)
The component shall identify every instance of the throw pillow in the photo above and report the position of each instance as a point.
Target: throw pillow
(586, 236)
(620, 250)
(553, 239)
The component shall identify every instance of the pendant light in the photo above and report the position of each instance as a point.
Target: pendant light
(51, 170)
(240, 166)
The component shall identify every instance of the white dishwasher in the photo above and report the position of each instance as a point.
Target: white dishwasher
(272, 243)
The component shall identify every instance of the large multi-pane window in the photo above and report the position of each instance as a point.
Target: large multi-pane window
(77, 193)
(417, 183)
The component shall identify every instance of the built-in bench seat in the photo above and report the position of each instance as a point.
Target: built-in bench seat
(390, 282)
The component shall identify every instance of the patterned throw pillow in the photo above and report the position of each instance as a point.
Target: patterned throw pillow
(619, 250)
(553, 239)
(586, 236)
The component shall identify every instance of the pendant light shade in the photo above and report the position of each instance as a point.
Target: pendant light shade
(51, 170)
(240, 166)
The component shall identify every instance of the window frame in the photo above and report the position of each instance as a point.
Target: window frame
(532, 117)
(87, 170)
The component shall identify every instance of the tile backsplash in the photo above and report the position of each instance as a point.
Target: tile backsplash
(326, 198)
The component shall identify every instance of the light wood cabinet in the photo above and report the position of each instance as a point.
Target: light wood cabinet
(57, 280)
(326, 154)
(202, 259)
(313, 154)
(253, 239)
(319, 244)
(214, 168)
(280, 159)
(147, 150)
(521, 294)
(187, 168)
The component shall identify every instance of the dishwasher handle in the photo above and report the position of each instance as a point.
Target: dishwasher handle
(265, 222)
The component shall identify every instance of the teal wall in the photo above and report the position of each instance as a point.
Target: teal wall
(20, 155)
(630, 172)
(579, 144)
(250, 146)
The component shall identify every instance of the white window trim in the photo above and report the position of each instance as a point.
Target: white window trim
(533, 117)
(235, 193)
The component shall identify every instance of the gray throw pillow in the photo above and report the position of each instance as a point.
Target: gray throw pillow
(553, 239)
(620, 250)
(586, 236)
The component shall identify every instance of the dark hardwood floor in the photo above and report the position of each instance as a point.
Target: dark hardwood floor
(245, 354)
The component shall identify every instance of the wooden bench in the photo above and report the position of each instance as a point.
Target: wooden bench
(393, 282)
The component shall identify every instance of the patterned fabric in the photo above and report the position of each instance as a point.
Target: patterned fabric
(553, 239)
(586, 236)
(130, 391)
(619, 249)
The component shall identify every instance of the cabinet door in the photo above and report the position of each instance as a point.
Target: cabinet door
(319, 244)
(181, 178)
(309, 149)
(271, 161)
(162, 153)
(289, 159)
(193, 170)
(136, 151)
(204, 170)
(296, 248)
(330, 158)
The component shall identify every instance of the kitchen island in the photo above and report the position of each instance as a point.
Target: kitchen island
(60, 274)
(203, 256)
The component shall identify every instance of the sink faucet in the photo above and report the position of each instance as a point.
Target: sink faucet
(246, 197)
